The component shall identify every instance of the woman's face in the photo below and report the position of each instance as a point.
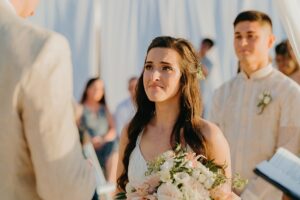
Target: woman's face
(95, 91)
(285, 64)
(162, 74)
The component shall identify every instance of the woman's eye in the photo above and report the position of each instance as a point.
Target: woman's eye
(148, 67)
(167, 68)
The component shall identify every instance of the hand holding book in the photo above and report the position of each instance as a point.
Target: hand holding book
(283, 171)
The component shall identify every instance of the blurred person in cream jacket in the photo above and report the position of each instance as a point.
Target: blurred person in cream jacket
(40, 153)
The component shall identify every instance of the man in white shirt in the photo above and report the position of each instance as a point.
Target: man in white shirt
(258, 110)
(126, 110)
(40, 153)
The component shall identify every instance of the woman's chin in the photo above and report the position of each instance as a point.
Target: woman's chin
(155, 98)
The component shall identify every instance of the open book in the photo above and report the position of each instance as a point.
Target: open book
(283, 171)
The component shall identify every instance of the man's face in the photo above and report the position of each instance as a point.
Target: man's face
(285, 64)
(252, 41)
(205, 47)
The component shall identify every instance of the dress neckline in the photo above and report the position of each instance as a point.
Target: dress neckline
(138, 142)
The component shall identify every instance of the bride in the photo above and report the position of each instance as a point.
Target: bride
(168, 112)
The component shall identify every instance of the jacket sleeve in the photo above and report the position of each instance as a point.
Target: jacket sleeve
(49, 125)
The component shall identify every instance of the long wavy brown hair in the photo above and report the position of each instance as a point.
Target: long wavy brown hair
(188, 121)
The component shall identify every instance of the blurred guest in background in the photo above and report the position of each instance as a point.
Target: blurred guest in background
(285, 62)
(205, 47)
(205, 82)
(126, 109)
(282, 57)
(296, 74)
(98, 123)
(40, 153)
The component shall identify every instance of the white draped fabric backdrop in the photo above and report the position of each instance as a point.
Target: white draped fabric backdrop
(110, 37)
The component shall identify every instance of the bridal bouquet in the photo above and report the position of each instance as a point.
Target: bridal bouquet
(181, 175)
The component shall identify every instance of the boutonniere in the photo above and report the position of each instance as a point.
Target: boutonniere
(264, 99)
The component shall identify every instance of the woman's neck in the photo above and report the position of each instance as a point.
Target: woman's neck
(91, 104)
(166, 115)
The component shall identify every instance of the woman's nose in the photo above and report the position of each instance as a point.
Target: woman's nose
(155, 75)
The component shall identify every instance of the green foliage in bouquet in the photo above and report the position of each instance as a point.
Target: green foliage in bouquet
(238, 182)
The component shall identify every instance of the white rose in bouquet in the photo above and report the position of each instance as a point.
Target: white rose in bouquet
(182, 178)
(168, 164)
(168, 191)
(195, 190)
(165, 176)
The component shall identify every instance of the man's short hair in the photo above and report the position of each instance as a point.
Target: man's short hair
(208, 41)
(253, 16)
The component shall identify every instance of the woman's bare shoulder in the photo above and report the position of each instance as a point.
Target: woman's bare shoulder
(210, 131)
(217, 145)
(124, 134)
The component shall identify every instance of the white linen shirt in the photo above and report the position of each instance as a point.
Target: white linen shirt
(255, 137)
